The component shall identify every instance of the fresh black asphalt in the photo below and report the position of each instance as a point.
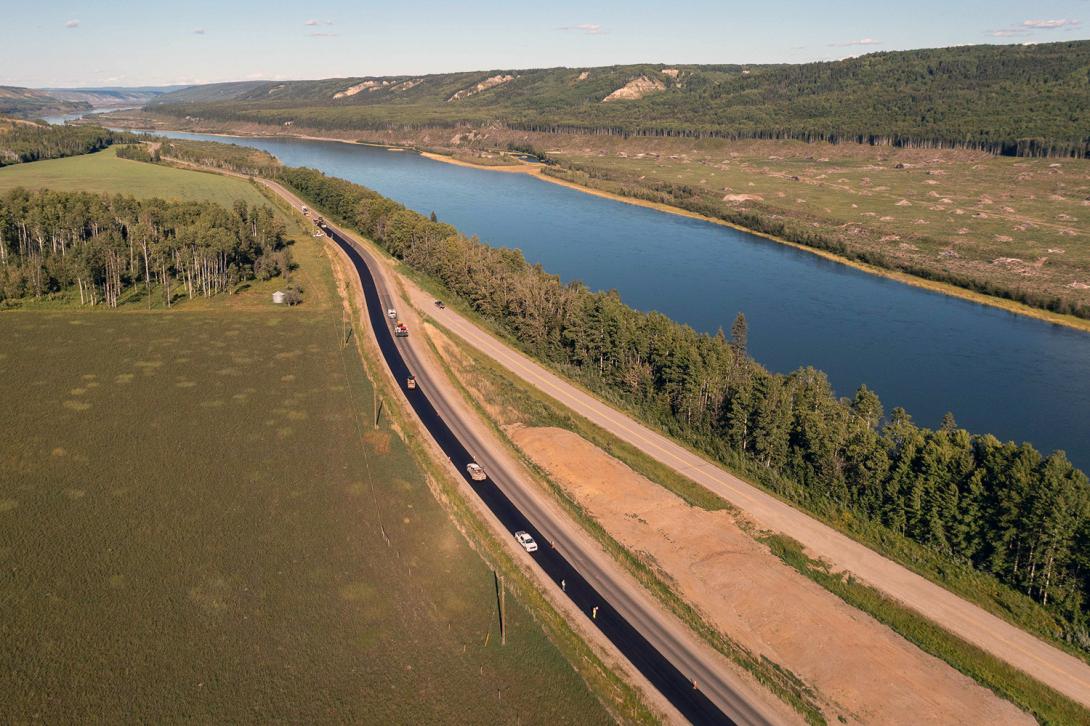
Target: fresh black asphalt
(674, 685)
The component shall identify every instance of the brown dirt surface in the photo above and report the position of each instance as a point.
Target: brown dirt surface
(377, 441)
(861, 669)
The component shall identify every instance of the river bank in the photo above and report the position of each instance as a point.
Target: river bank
(539, 171)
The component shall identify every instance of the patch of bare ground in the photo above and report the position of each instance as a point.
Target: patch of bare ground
(860, 668)
(635, 89)
(490, 82)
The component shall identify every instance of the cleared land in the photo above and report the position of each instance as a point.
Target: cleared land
(199, 522)
(854, 667)
(860, 668)
(104, 172)
(1018, 224)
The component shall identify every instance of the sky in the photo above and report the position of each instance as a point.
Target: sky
(62, 43)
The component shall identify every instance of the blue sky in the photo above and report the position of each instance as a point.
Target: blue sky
(108, 42)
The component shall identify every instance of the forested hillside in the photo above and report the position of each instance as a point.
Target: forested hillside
(113, 248)
(968, 498)
(1013, 99)
(23, 141)
(29, 103)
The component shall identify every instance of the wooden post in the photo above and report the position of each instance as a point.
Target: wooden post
(503, 613)
(501, 604)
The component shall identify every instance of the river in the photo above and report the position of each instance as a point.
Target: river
(1016, 377)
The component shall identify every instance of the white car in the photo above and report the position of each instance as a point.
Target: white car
(391, 313)
(476, 473)
(526, 541)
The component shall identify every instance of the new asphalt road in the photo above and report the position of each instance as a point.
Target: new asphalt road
(699, 690)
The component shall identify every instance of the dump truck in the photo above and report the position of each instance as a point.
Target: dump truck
(400, 330)
(410, 383)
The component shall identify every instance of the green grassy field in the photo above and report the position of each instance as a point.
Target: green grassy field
(104, 172)
(199, 522)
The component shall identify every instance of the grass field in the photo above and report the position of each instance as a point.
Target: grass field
(104, 172)
(199, 522)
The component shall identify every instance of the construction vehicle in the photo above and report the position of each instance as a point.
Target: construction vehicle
(476, 473)
(410, 383)
(400, 330)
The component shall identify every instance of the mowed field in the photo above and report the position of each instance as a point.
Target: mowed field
(199, 522)
(104, 172)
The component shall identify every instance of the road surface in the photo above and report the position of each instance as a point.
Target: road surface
(1057, 669)
(668, 656)
(1050, 665)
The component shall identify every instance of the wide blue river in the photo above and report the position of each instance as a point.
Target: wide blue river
(1016, 377)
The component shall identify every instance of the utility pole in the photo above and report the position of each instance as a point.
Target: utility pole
(503, 613)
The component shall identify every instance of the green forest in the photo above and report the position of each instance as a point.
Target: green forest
(217, 155)
(1004, 508)
(116, 249)
(25, 142)
(1006, 99)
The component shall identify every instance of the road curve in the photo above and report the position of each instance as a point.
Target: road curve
(699, 690)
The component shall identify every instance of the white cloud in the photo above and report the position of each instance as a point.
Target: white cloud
(1050, 24)
(312, 22)
(1007, 32)
(861, 41)
(72, 24)
(587, 28)
(198, 31)
(322, 35)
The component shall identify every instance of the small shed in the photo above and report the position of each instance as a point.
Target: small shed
(279, 297)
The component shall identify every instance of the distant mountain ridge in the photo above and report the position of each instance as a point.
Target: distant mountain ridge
(29, 103)
(1009, 99)
(111, 96)
(37, 102)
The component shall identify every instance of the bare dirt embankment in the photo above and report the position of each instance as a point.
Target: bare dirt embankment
(857, 664)
(860, 669)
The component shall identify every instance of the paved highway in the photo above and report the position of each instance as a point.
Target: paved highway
(655, 647)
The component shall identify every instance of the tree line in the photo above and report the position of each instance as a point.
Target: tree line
(25, 142)
(1004, 508)
(114, 248)
(1012, 99)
